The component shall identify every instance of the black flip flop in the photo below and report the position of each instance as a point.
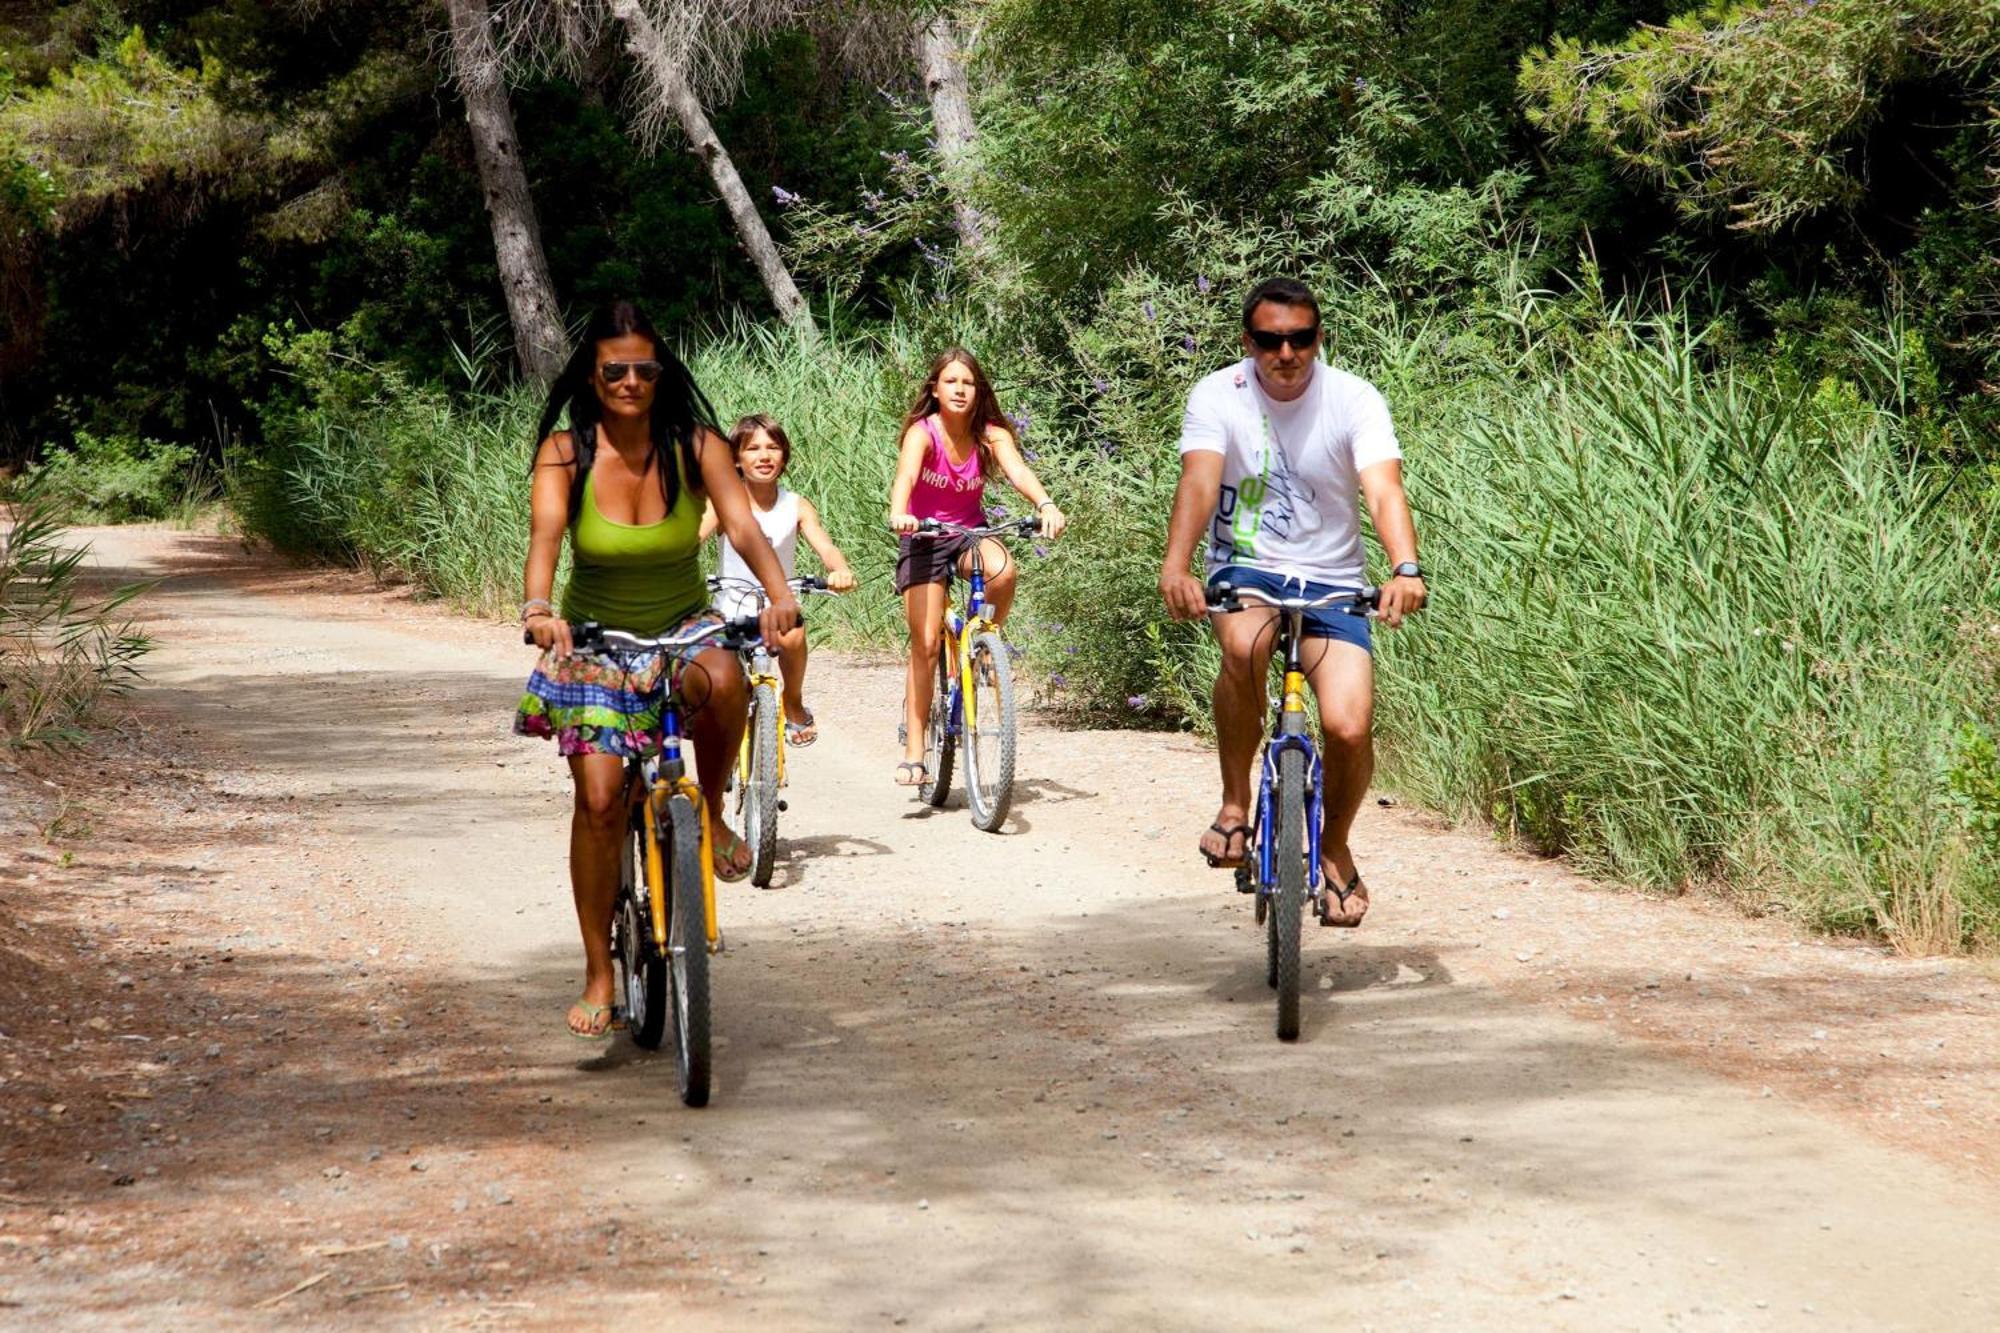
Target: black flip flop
(1226, 861)
(1353, 887)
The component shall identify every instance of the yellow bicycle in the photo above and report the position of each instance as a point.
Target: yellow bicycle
(760, 761)
(664, 928)
(973, 703)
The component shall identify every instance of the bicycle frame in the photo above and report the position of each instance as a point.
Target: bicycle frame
(963, 627)
(665, 776)
(1289, 731)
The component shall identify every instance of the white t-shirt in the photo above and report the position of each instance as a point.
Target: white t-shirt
(1291, 472)
(781, 528)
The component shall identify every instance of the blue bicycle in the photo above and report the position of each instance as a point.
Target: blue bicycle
(1284, 872)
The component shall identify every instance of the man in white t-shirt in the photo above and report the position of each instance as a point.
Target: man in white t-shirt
(1276, 453)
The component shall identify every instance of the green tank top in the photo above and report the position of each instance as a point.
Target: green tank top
(643, 578)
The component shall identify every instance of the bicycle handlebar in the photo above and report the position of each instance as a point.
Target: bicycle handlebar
(803, 583)
(1228, 597)
(588, 634)
(1013, 527)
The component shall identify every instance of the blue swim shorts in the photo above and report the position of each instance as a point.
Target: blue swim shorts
(1331, 623)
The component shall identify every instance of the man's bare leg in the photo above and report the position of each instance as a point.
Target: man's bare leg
(1343, 681)
(1246, 639)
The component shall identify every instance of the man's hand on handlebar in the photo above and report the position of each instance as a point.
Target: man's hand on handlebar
(1186, 596)
(1401, 596)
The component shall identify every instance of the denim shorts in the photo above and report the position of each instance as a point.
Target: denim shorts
(1327, 623)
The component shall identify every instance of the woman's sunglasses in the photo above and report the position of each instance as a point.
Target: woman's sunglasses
(1300, 339)
(614, 371)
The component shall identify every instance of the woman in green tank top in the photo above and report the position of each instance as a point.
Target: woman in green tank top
(627, 483)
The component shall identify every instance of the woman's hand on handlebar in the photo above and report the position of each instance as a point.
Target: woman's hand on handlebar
(551, 632)
(1052, 521)
(778, 617)
(840, 580)
(905, 523)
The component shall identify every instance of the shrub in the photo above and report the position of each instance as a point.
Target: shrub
(114, 479)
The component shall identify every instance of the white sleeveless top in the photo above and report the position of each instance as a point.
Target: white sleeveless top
(781, 528)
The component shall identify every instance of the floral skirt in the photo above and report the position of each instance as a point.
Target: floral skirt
(601, 702)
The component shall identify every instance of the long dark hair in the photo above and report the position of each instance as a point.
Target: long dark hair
(985, 404)
(680, 410)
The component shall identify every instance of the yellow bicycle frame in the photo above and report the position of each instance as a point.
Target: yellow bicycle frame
(743, 750)
(1295, 692)
(956, 643)
(656, 878)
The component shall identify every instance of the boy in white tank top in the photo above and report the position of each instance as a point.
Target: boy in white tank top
(762, 451)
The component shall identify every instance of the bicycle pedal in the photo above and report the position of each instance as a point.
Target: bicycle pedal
(1243, 881)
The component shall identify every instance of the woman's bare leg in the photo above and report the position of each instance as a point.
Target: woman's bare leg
(596, 828)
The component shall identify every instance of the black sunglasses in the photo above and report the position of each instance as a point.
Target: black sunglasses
(1300, 339)
(614, 371)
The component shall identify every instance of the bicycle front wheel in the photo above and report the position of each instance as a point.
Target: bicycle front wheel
(632, 944)
(940, 743)
(759, 798)
(989, 734)
(1290, 891)
(687, 949)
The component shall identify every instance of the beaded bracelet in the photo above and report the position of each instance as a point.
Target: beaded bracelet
(536, 603)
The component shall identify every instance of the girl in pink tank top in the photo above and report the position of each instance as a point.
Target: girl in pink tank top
(954, 438)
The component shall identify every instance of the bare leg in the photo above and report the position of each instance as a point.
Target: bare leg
(717, 705)
(792, 663)
(1246, 639)
(923, 607)
(596, 828)
(1343, 681)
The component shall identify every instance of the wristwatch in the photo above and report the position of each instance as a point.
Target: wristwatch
(1409, 569)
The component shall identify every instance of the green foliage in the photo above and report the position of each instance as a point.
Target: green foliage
(61, 651)
(116, 479)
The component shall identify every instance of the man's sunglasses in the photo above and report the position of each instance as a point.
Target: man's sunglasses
(1300, 339)
(614, 371)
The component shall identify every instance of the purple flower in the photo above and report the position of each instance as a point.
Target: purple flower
(1187, 342)
(1031, 455)
(1100, 386)
(1360, 84)
(1058, 679)
(784, 197)
(1202, 284)
(995, 514)
(1070, 650)
(1147, 308)
(1041, 550)
(1019, 423)
(1055, 627)
(1136, 702)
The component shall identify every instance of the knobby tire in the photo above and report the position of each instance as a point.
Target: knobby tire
(989, 739)
(687, 949)
(643, 965)
(938, 745)
(760, 794)
(1290, 892)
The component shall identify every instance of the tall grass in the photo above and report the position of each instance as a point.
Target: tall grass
(62, 650)
(1692, 626)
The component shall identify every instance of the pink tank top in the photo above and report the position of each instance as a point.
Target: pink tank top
(952, 492)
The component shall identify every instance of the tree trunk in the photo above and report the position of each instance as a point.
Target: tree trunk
(672, 87)
(539, 342)
(940, 60)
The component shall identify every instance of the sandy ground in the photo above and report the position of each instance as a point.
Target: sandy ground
(283, 965)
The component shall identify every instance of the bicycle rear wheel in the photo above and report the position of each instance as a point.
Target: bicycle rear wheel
(940, 743)
(758, 801)
(989, 734)
(1290, 891)
(687, 949)
(644, 991)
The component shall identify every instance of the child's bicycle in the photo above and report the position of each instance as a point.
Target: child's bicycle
(760, 763)
(974, 698)
(1284, 870)
(663, 927)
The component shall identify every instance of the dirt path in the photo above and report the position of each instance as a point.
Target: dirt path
(964, 1081)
